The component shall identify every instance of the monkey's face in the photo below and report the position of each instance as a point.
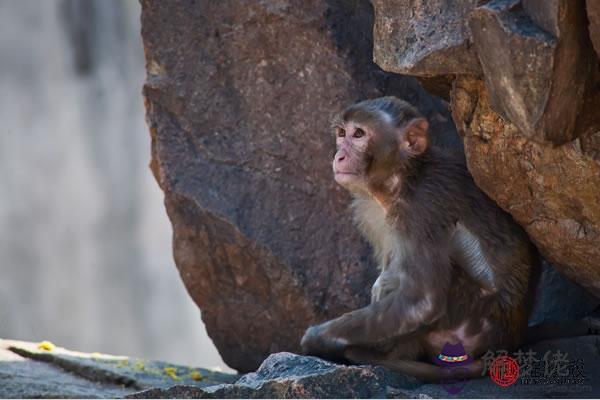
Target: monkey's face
(375, 142)
(351, 160)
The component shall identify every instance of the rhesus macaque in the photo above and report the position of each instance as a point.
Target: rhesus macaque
(454, 266)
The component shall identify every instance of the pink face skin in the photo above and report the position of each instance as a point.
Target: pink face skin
(352, 141)
(348, 164)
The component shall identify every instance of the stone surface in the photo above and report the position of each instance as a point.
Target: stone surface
(593, 14)
(24, 378)
(532, 131)
(536, 59)
(559, 299)
(239, 101)
(27, 371)
(424, 38)
(551, 191)
(286, 375)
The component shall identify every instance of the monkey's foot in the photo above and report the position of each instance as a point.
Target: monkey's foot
(316, 342)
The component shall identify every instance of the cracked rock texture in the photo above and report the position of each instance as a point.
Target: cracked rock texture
(424, 38)
(288, 376)
(28, 371)
(536, 59)
(239, 102)
(551, 191)
(530, 120)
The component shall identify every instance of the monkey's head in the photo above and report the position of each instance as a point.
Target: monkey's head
(376, 140)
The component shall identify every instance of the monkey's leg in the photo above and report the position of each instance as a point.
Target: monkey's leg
(383, 320)
(423, 371)
(558, 330)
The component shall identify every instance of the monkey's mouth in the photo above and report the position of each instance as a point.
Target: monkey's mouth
(346, 178)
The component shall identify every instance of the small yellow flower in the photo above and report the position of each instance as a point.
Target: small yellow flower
(46, 345)
(196, 375)
(139, 365)
(172, 373)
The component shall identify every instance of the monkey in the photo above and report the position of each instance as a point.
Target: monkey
(454, 267)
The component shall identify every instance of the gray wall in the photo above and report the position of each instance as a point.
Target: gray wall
(85, 244)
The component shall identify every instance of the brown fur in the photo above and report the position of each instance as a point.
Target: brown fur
(455, 267)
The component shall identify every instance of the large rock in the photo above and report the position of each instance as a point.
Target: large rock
(536, 60)
(531, 124)
(551, 191)
(29, 370)
(290, 376)
(559, 299)
(593, 14)
(424, 38)
(239, 101)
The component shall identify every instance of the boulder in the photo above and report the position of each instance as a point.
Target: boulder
(289, 376)
(40, 370)
(559, 299)
(593, 14)
(239, 102)
(551, 191)
(530, 123)
(424, 38)
(522, 47)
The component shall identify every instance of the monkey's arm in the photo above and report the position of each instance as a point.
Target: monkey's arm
(416, 305)
(387, 282)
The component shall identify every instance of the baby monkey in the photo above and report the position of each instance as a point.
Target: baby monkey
(455, 268)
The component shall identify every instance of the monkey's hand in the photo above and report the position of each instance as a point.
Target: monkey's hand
(377, 290)
(385, 284)
(317, 341)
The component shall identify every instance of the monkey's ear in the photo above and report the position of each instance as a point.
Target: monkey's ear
(415, 138)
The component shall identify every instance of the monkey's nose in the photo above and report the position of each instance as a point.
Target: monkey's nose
(341, 158)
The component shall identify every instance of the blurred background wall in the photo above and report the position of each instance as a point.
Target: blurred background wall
(85, 244)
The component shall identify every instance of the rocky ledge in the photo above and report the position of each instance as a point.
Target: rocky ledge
(556, 369)
(42, 370)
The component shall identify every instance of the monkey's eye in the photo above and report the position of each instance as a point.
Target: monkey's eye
(358, 133)
(339, 132)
